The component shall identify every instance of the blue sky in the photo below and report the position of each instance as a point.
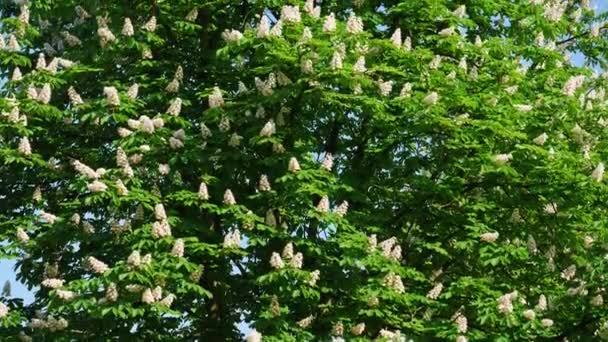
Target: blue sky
(18, 290)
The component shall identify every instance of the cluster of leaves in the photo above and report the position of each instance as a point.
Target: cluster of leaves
(479, 202)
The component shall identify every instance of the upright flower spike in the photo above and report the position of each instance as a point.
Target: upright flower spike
(75, 98)
(112, 96)
(264, 184)
(24, 148)
(541, 139)
(216, 99)
(96, 265)
(354, 25)
(294, 166)
(276, 262)
(44, 96)
(328, 162)
(396, 38)
(323, 205)
(229, 197)
(127, 28)
(17, 76)
(359, 66)
(598, 173)
(178, 248)
(431, 99)
(254, 336)
(133, 91)
(330, 23)
(175, 107)
(203, 193)
(336, 61)
(290, 14)
(150, 25)
(264, 27)
(269, 129)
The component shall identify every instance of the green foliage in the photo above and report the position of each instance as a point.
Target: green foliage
(448, 184)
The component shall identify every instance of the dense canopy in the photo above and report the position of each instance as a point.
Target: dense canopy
(298, 170)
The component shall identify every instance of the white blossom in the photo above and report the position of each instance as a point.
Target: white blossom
(554, 10)
(215, 99)
(572, 85)
(24, 148)
(336, 61)
(435, 291)
(44, 96)
(263, 27)
(168, 300)
(358, 329)
(502, 159)
(3, 310)
(105, 36)
(306, 35)
(307, 66)
(305, 323)
(134, 259)
(542, 303)
(396, 38)
(462, 324)
(97, 186)
(450, 31)
(133, 91)
(48, 217)
(460, 12)
(161, 229)
(328, 162)
(394, 282)
(254, 336)
(111, 96)
(354, 25)
(150, 25)
(22, 235)
(111, 293)
(489, 237)
(96, 265)
(290, 14)
(323, 205)
(175, 107)
(598, 172)
(505, 302)
(203, 193)
(164, 169)
(385, 87)
(522, 107)
(359, 66)
(297, 261)
(551, 208)
(13, 44)
(178, 248)
(173, 86)
(65, 295)
(232, 35)
(342, 209)
(431, 99)
(192, 15)
(314, 277)
(275, 261)
(17, 76)
(147, 297)
(569, 272)
(229, 197)
(293, 166)
(127, 28)
(277, 29)
(268, 129)
(546, 322)
(264, 184)
(541, 139)
(330, 23)
(53, 283)
(41, 62)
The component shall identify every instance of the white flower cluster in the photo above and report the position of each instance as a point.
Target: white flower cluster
(160, 228)
(505, 302)
(232, 239)
(97, 266)
(394, 282)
